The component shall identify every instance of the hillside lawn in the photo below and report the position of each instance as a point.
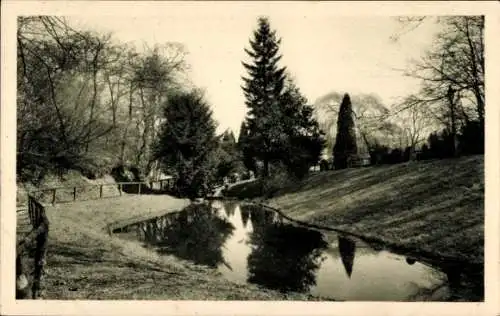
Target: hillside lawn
(431, 207)
(84, 262)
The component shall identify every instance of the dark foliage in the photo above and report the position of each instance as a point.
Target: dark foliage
(300, 254)
(228, 157)
(380, 155)
(263, 89)
(324, 165)
(248, 156)
(195, 234)
(187, 144)
(304, 141)
(471, 138)
(440, 144)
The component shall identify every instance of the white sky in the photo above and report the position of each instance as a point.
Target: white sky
(323, 53)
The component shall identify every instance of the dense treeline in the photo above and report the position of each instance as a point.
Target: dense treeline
(90, 103)
(86, 101)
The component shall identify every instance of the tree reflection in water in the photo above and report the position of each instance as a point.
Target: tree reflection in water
(347, 249)
(196, 234)
(284, 257)
(245, 216)
(230, 208)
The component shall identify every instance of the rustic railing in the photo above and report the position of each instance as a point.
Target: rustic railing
(72, 193)
(38, 236)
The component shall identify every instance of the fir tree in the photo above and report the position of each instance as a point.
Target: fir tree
(345, 149)
(263, 88)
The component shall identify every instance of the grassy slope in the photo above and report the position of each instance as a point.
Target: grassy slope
(84, 262)
(434, 206)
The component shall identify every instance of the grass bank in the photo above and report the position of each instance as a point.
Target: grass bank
(434, 207)
(84, 262)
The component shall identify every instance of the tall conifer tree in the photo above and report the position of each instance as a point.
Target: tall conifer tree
(345, 149)
(263, 88)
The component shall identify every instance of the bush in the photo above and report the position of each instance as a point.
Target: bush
(93, 167)
(277, 181)
(471, 139)
(248, 190)
(324, 165)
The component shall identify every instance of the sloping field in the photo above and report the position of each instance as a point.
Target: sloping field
(432, 206)
(84, 262)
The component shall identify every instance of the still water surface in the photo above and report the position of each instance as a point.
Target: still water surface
(251, 245)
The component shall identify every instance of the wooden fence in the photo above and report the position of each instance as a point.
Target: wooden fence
(37, 238)
(97, 191)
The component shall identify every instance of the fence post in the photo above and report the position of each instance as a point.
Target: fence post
(100, 191)
(54, 196)
(31, 211)
(40, 261)
(74, 194)
(139, 188)
(120, 188)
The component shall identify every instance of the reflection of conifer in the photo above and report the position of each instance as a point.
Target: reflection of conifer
(257, 217)
(229, 208)
(269, 217)
(347, 249)
(245, 215)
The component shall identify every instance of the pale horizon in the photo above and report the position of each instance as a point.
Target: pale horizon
(346, 54)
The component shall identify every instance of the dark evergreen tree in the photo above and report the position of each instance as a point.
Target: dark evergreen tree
(246, 149)
(279, 126)
(304, 141)
(228, 138)
(263, 89)
(187, 144)
(345, 149)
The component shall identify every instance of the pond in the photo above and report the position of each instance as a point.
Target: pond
(248, 244)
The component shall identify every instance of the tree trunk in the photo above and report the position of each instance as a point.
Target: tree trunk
(451, 100)
(265, 172)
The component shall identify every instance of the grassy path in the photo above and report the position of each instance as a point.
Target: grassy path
(432, 206)
(84, 262)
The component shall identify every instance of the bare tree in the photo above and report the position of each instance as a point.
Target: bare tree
(456, 62)
(80, 94)
(154, 78)
(416, 123)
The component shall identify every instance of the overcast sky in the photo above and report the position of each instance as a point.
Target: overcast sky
(323, 53)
